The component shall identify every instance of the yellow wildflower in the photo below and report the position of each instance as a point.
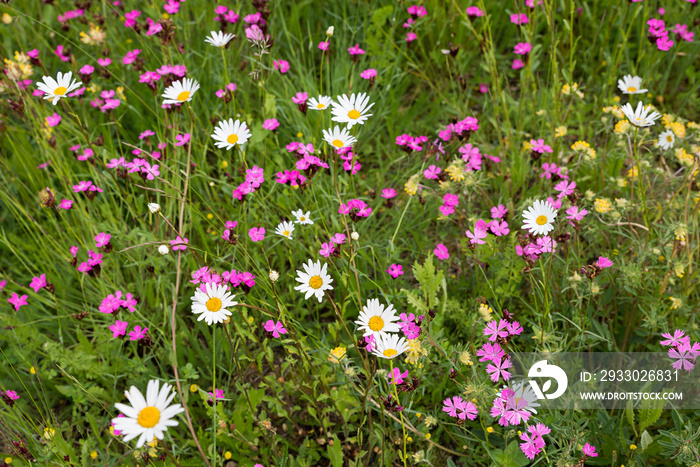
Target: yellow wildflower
(337, 354)
(602, 205)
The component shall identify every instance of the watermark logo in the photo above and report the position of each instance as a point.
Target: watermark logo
(542, 369)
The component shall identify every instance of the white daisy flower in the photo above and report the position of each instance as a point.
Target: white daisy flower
(180, 91)
(524, 391)
(322, 103)
(285, 229)
(212, 305)
(314, 280)
(640, 116)
(302, 217)
(219, 38)
(59, 87)
(630, 85)
(666, 140)
(389, 346)
(147, 417)
(339, 138)
(376, 320)
(229, 133)
(539, 218)
(351, 110)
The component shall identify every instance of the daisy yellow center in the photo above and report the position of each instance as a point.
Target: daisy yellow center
(376, 323)
(61, 90)
(183, 96)
(337, 143)
(354, 114)
(669, 138)
(302, 218)
(214, 304)
(148, 417)
(631, 89)
(320, 106)
(232, 139)
(286, 233)
(315, 282)
(388, 353)
(541, 220)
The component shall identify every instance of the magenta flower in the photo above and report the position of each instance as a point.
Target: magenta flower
(432, 172)
(474, 12)
(685, 357)
(514, 328)
(397, 377)
(517, 64)
(338, 238)
(589, 450)
(53, 120)
(452, 404)
(522, 48)
(102, 239)
(519, 18)
(498, 212)
(38, 283)
(182, 139)
(368, 73)
(327, 249)
(218, 394)
(137, 333)
(483, 89)
(499, 369)
(271, 124)
(356, 50)
(532, 445)
(172, 6)
(300, 98)
(495, 330)
(417, 10)
(324, 45)
(257, 233)
(179, 243)
(499, 229)
(12, 395)
(66, 204)
(441, 251)
(275, 328)
(479, 233)
(388, 193)
(490, 352)
(575, 214)
(540, 147)
(119, 328)
(104, 61)
(411, 36)
(18, 301)
(664, 43)
(565, 188)
(604, 262)
(281, 65)
(395, 270)
(678, 338)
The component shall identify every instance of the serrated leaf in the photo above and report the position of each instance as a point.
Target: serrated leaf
(645, 440)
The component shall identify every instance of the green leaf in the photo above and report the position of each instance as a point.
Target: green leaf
(335, 452)
(629, 412)
(650, 412)
(645, 440)
(380, 15)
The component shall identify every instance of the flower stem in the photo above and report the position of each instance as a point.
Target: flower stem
(213, 359)
(396, 395)
(642, 192)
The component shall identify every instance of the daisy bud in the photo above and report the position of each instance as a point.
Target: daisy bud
(163, 249)
(154, 208)
(274, 275)
(355, 236)
(329, 31)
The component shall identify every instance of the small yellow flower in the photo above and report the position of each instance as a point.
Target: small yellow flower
(633, 447)
(489, 430)
(32, 370)
(251, 320)
(411, 186)
(194, 388)
(602, 205)
(485, 312)
(337, 354)
(430, 421)
(49, 433)
(93, 454)
(678, 129)
(633, 172)
(300, 135)
(560, 131)
(419, 415)
(165, 16)
(7, 19)
(8, 460)
(227, 455)
(679, 269)
(210, 216)
(427, 436)
(466, 358)
(224, 164)
(622, 126)
(408, 439)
